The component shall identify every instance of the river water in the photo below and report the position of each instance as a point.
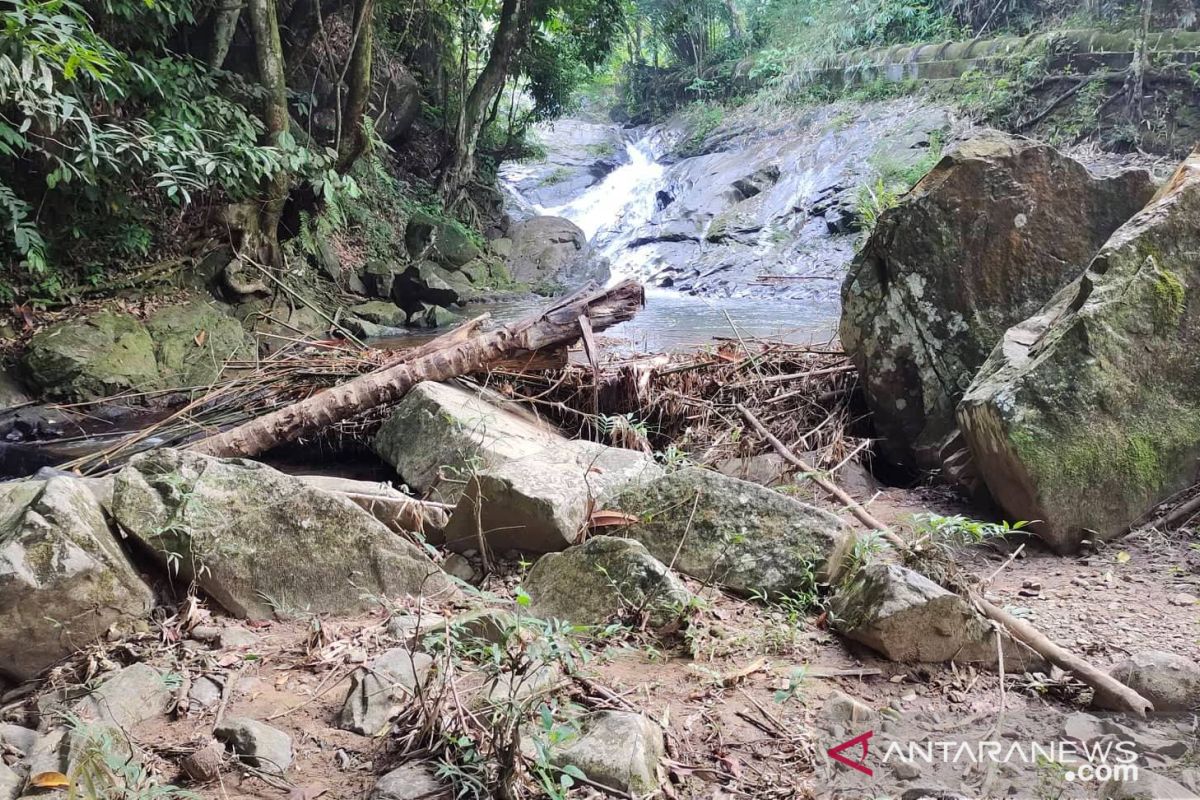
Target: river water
(611, 212)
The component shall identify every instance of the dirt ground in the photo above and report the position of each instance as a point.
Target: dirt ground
(743, 691)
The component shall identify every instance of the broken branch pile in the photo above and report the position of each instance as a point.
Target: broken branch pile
(803, 393)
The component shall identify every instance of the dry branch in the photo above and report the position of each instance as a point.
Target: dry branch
(1115, 692)
(555, 326)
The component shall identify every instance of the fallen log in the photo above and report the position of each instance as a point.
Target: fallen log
(555, 326)
(1116, 693)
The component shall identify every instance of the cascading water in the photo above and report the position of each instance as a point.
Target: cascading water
(611, 211)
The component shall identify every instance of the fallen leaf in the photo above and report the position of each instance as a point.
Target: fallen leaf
(609, 519)
(49, 780)
(1123, 557)
(201, 337)
(739, 675)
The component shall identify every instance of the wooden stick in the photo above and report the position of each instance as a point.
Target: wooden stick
(555, 326)
(1111, 690)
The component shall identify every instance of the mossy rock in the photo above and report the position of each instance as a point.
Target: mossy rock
(64, 580)
(979, 244)
(1087, 414)
(89, 358)
(260, 542)
(192, 341)
(737, 534)
(592, 583)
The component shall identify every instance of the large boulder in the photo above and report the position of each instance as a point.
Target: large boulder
(541, 503)
(591, 583)
(737, 534)
(447, 241)
(906, 617)
(260, 542)
(550, 251)
(984, 240)
(439, 433)
(64, 580)
(1087, 414)
(91, 357)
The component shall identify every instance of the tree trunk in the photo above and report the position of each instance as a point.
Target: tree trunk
(224, 27)
(557, 325)
(352, 139)
(512, 32)
(264, 22)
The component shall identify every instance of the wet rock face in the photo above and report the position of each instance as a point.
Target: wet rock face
(1088, 412)
(64, 580)
(984, 240)
(553, 251)
(256, 540)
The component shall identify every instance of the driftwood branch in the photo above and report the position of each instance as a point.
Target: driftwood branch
(1113, 692)
(555, 326)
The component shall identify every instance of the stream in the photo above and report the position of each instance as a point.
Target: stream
(613, 212)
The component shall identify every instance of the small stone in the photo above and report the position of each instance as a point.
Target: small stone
(204, 765)
(906, 770)
(1033, 585)
(1029, 593)
(10, 783)
(617, 749)
(842, 708)
(410, 627)
(1182, 599)
(256, 743)
(410, 782)
(1168, 681)
(459, 567)
(18, 738)
(126, 698)
(375, 693)
(1082, 728)
(236, 637)
(206, 691)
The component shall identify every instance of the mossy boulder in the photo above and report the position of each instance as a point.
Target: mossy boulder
(734, 533)
(591, 583)
(380, 312)
(981, 243)
(193, 340)
(1087, 413)
(260, 542)
(92, 357)
(64, 580)
(446, 241)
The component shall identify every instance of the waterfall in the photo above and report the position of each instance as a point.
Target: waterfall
(611, 212)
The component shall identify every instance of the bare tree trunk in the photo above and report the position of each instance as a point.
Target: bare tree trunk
(556, 325)
(264, 22)
(1141, 65)
(352, 139)
(224, 27)
(512, 33)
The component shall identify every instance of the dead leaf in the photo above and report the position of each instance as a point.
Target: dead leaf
(610, 519)
(201, 337)
(49, 780)
(1123, 557)
(739, 675)
(306, 792)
